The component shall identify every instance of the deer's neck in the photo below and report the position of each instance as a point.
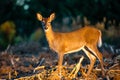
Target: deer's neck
(50, 34)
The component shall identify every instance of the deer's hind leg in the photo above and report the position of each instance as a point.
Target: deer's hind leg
(92, 61)
(96, 52)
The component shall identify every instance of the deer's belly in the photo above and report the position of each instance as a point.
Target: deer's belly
(68, 50)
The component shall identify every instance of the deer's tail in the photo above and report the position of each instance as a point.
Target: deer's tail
(100, 40)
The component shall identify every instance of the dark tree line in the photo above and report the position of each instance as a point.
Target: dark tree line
(93, 9)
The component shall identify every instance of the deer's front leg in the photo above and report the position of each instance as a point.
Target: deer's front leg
(60, 61)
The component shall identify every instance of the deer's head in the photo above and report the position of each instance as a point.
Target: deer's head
(46, 22)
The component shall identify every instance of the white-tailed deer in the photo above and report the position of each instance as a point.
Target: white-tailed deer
(64, 43)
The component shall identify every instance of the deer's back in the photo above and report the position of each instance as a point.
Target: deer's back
(85, 33)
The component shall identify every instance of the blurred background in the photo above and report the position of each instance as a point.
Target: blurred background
(18, 22)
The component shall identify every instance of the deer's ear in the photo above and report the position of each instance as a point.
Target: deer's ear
(39, 16)
(52, 16)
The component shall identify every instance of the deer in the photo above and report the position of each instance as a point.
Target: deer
(69, 42)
